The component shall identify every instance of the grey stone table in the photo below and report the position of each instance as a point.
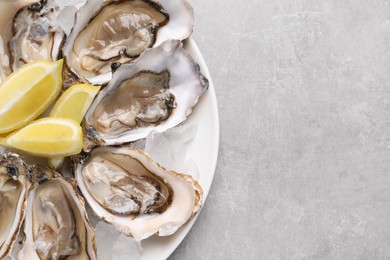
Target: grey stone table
(303, 89)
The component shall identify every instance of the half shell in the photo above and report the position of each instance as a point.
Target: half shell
(56, 225)
(8, 10)
(36, 35)
(155, 93)
(13, 194)
(28, 32)
(107, 32)
(126, 188)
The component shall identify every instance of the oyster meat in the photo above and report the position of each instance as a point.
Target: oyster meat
(140, 198)
(36, 35)
(8, 10)
(13, 194)
(157, 92)
(56, 225)
(108, 32)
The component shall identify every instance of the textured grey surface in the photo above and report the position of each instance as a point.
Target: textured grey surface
(304, 97)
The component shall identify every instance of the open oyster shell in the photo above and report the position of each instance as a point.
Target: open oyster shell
(8, 10)
(155, 93)
(112, 31)
(126, 188)
(36, 35)
(56, 225)
(28, 32)
(13, 194)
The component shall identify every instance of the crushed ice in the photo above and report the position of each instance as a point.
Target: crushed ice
(112, 245)
(170, 149)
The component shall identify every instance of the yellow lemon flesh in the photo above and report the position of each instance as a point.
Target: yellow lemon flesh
(47, 137)
(27, 93)
(74, 102)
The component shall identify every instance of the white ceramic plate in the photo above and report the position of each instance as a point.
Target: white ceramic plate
(204, 151)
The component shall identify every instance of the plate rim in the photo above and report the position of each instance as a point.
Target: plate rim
(195, 52)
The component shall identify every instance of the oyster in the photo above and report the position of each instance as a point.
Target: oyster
(157, 92)
(13, 194)
(56, 225)
(36, 35)
(129, 190)
(108, 32)
(28, 32)
(8, 10)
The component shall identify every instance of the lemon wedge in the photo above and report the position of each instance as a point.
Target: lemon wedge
(47, 137)
(27, 92)
(74, 102)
